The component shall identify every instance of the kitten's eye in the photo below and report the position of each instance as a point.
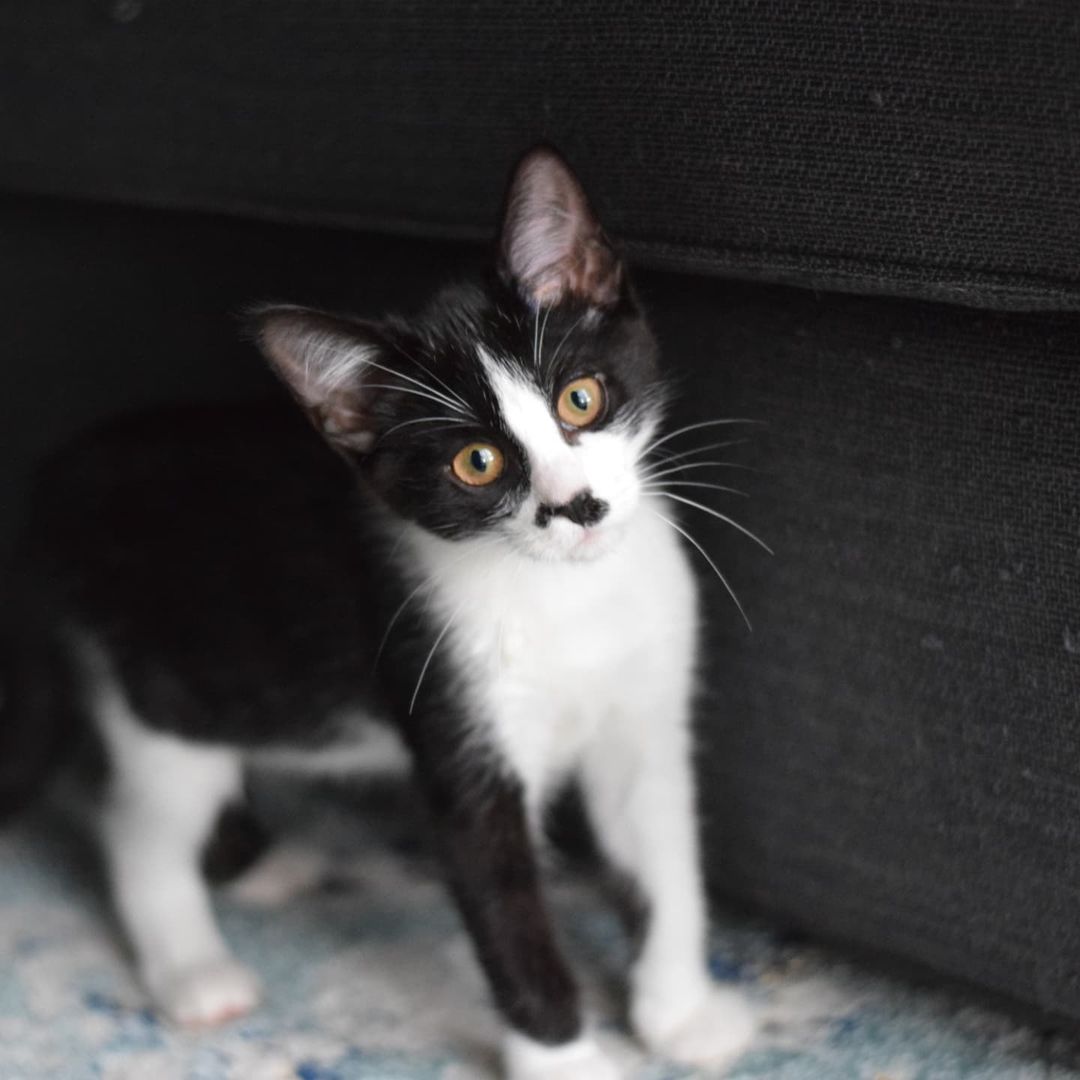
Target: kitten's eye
(581, 402)
(478, 464)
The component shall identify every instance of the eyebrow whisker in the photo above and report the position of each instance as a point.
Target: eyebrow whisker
(450, 421)
(430, 390)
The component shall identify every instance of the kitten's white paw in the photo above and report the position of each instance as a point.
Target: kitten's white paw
(206, 995)
(714, 1032)
(581, 1059)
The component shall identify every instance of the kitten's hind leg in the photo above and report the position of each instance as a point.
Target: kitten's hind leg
(163, 798)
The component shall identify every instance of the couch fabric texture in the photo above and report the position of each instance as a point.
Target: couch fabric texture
(927, 148)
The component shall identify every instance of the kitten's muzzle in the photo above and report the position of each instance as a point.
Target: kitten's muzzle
(583, 509)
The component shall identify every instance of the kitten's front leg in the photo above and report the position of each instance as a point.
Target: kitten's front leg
(638, 786)
(480, 820)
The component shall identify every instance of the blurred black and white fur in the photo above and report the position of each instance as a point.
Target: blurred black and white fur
(482, 580)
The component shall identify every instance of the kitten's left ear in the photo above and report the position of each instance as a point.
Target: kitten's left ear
(551, 245)
(326, 362)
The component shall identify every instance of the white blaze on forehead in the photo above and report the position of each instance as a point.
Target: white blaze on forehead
(557, 474)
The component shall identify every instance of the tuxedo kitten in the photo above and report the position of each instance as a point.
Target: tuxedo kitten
(484, 578)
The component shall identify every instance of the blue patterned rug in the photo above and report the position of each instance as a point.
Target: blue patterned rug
(370, 976)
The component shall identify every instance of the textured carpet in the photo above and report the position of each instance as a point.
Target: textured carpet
(369, 975)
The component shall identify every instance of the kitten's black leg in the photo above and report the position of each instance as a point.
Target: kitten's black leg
(484, 840)
(237, 843)
(486, 847)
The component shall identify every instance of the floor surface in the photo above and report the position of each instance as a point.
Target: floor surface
(370, 976)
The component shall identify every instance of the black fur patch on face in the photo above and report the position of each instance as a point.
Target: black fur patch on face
(400, 398)
(420, 393)
(583, 509)
(409, 464)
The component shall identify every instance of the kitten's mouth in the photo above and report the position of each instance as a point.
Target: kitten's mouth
(560, 540)
(592, 542)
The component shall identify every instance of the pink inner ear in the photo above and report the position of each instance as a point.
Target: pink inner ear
(321, 362)
(553, 245)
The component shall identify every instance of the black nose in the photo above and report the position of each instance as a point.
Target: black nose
(583, 509)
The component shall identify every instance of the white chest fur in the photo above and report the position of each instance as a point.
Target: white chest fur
(554, 650)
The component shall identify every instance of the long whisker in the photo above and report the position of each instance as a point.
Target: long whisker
(669, 458)
(429, 582)
(411, 358)
(698, 465)
(449, 420)
(453, 393)
(694, 427)
(543, 330)
(720, 517)
(420, 394)
(430, 656)
(558, 348)
(536, 330)
(430, 390)
(716, 570)
(694, 484)
(449, 389)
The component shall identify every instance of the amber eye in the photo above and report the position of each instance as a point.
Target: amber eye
(478, 464)
(581, 402)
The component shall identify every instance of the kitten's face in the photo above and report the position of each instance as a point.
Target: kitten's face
(519, 411)
(535, 439)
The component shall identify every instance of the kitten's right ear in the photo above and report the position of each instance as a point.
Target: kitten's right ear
(324, 360)
(551, 245)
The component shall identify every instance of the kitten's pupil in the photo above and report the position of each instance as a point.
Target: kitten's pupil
(480, 459)
(580, 399)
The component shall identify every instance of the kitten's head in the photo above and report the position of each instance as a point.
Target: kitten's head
(519, 409)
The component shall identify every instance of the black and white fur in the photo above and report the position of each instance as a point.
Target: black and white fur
(224, 593)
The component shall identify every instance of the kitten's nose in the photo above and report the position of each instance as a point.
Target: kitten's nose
(583, 509)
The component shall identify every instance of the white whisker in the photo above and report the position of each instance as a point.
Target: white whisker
(428, 583)
(543, 330)
(669, 458)
(720, 517)
(417, 393)
(430, 656)
(565, 337)
(696, 465)
(449, 389)
(694, 427)
(450, 421)
(716, 570)
(694, 484)
(426, 387)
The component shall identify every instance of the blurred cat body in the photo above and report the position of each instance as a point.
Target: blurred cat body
(483, 567)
